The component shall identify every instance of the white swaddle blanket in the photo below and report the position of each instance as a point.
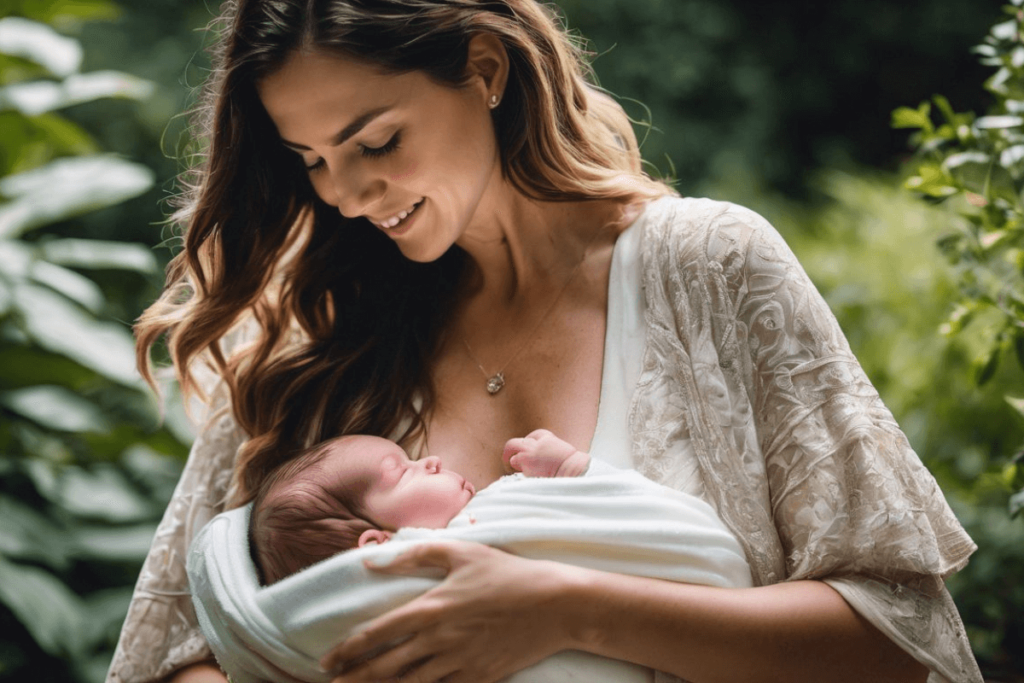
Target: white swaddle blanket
(613, 520)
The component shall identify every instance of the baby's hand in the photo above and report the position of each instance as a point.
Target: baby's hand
(542, 454)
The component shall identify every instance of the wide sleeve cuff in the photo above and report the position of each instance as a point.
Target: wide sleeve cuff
(921, 618)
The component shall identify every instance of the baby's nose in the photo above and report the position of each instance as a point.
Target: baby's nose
(432, 464)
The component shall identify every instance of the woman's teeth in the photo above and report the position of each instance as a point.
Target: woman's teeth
(400, 216)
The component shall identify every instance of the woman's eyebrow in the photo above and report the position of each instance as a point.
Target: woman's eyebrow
(348, 131)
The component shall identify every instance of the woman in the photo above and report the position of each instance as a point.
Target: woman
(429, 227)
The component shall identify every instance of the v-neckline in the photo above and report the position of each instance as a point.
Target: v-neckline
(613, 315)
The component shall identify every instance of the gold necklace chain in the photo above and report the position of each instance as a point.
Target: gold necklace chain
(496, 382)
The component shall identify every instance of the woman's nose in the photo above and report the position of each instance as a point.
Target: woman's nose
(432, 464)
(353, 190)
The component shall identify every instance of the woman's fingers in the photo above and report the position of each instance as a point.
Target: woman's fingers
(493, 615)
(393, 626)
(420, 557)
(432, 670)
(392, 664)
(410, 618)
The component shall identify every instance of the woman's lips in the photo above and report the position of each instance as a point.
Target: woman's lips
(400, 219)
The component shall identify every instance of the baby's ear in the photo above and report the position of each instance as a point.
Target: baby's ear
(374, 536)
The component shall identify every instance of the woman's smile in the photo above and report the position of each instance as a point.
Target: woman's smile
(378, 145)
(398, 223)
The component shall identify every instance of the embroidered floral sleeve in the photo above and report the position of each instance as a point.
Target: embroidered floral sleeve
(160, 633)
(796, 450)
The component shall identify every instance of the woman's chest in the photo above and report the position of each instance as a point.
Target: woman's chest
(553, 382)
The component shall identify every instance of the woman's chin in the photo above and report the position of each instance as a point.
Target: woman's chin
(421, 253)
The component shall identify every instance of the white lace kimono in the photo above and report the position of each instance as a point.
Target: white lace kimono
(747, 373)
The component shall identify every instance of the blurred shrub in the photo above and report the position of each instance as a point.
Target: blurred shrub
(84, 471)
(974, 167)
(788, 87)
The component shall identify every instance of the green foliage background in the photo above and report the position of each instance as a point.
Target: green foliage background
(784, 107)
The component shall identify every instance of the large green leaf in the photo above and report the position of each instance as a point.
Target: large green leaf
(29, 142)
(61, 327)
(100, 254)
(6, 298)
(55, 408)
(24, 365)
(21, 261)
(1017, 403)
(15, 259)
(14, 69)
(101, 492)
(47, 608)
(28, 535)
(108, 608)
(113, 544)
(78, 288)
(37, 97)
(39, 43)
(66, 188)
(1016, 504)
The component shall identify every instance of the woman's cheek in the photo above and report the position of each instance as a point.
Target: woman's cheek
(403, 174)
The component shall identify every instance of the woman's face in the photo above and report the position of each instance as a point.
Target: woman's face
(412, 156)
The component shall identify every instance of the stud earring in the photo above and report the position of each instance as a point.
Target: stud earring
(493, 102)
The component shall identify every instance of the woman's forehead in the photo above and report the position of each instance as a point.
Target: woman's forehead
(315, 92)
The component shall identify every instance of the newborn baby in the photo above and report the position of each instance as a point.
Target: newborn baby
(357, 489)
(361, 491)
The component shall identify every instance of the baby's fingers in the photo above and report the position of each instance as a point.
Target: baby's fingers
(512, 448)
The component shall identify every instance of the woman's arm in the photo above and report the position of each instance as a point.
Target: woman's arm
(799, 631)
(497, 614)
(201, 672)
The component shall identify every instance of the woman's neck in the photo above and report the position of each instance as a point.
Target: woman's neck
(521, 246)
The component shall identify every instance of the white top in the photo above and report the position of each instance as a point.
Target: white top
(623, 350)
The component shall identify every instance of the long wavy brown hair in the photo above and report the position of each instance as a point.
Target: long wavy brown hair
(346, 327)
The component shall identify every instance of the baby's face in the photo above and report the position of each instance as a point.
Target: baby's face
(403, 492)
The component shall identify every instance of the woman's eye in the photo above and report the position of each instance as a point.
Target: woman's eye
(316, 166)
(387, 148)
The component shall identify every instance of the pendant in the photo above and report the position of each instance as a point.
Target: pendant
(495, 384)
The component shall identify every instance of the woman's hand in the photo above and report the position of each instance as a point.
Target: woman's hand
(493, 615)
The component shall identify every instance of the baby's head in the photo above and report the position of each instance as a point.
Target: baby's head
(345, 493)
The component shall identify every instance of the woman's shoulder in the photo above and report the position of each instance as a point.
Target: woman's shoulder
(683, 230)
(697, 219)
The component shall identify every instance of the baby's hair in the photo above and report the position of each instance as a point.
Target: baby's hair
(303, 514)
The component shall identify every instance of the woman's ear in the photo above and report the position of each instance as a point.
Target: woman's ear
(374, 536)
(487, 61)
